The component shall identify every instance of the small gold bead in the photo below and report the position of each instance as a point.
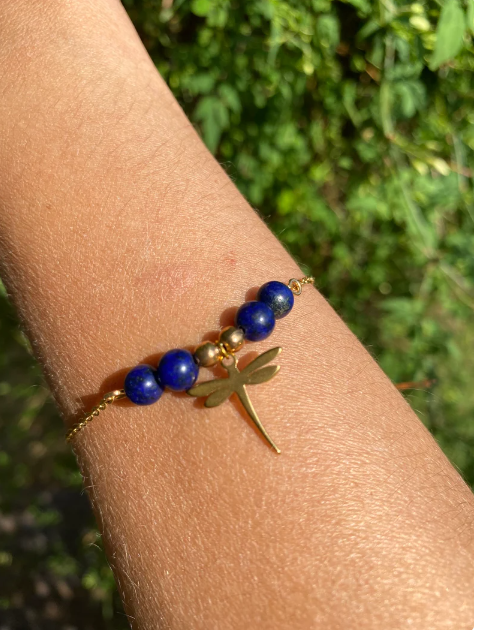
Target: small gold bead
(207, 354)
(232, 338)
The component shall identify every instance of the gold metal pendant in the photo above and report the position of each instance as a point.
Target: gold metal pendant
(218, 390)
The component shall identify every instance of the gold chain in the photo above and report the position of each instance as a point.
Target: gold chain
(296, 285)
(107, 399)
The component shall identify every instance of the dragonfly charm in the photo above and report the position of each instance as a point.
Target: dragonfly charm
(218, 390)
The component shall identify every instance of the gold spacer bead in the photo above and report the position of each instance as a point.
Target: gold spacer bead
(207, 354)
(232, 338)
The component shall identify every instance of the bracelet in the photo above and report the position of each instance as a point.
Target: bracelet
(178, 369)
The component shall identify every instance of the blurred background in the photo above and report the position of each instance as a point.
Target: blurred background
(348, 125)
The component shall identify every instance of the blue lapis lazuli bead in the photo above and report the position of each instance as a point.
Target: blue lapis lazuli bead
(256, 319)
(141, 386)
(278, 297)
(177, 370)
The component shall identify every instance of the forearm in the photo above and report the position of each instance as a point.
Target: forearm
(120, 238)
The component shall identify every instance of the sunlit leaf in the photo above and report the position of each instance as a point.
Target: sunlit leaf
(201, 7)
(470, 15)
(450, 34)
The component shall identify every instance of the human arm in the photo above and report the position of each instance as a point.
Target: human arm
(121, 237)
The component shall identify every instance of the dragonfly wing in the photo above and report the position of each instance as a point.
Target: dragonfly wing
(262, 375)
(204, 389)
(261, 360)
(218, 397)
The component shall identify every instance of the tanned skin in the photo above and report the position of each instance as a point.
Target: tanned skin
(121, 237)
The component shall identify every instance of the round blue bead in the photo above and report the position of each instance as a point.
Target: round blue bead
(278, 297)
(256, 319)
(177, 370)
(141, 386)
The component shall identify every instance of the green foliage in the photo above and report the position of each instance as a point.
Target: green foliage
(349, 126)
(450, 34)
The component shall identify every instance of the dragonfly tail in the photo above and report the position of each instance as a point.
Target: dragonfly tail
(247, 403)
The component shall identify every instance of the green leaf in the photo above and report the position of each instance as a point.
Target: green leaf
(450, 34)
(200, 83)
(470, 15)
(214, 116)
(349, 102)
(328, 31)
(411, 97)
(385, 106)
(201, 7)
(420, 23)
(231, 97)
(407, 100)
(368, 29)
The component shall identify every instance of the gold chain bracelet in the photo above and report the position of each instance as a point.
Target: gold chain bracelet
(178, 369)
